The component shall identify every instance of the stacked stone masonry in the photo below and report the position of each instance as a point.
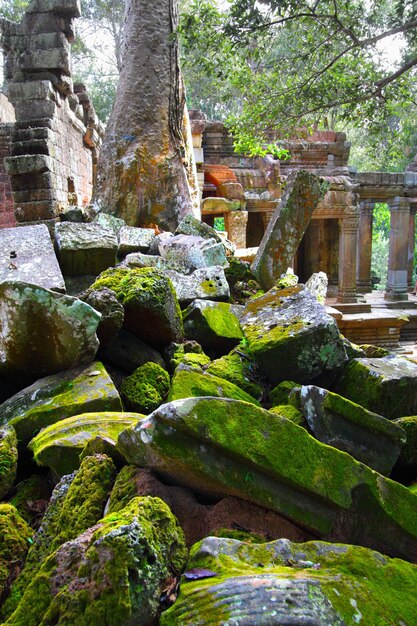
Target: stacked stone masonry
(57, 134)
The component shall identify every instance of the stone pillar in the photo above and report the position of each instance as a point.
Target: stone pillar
(235, 224)
(348, 240)
(411, 245)
(364, 284)
(397, 283)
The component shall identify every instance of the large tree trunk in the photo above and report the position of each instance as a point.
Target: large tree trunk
(146, 172)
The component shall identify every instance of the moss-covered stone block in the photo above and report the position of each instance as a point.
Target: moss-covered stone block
(152, 312)
(146, 388)
(56, 397)
(77, 503)
(282, 392)
(341, 423)
(31, 498)
(188, 353)
(291, 336)
(408, 455)
(8, 459)
(214, 325)
(16, 536)
(387, 385)
(221, 447)
(44, 332)
(293, 583)
(190, 383)
(290, 413)
(114, 573)
(238, 368)
(59, 446)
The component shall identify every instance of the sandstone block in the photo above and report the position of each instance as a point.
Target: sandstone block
(134, 239)
(85, 248)
(27, 255)
(207, 283)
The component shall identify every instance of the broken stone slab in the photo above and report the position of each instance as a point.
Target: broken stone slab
(292, 583)
(152, 312)
(28, 164)
(221, 447)
(207, 283)
(317, 285)
(187, 253)
(407, 462)
(218, 206)
(112, 313)
(189, 382)
(291, 335)
(138, 259)
(133, 239)
(214, 325)
(109, 221)
(345, 425)
(80, 390)
(43, 332)
(84, 248)
(287, 226)
(59, 445)
(190, 225)
(27, 255)
(387, 385)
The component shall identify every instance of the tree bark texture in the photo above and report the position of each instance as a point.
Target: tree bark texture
(146, 171)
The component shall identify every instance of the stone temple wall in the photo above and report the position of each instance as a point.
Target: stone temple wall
(56, 136)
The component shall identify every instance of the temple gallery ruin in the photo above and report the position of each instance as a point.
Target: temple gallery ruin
(189, 432)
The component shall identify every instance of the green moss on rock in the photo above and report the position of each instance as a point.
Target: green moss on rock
(240, 369)
(113, 574)
(189, 383)
(15, 537)
(146, 388)
(8, 459)
(59, 446)
(334, 584)
(76, 504)
(290, 413)
(36, 489)
(281, 393)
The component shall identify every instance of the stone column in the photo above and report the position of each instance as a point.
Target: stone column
(235, 224)
(411, 244)
(397, 283)
(364, 284)
(348, 241)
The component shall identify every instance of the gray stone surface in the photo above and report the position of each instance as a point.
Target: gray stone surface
(85, 248)
(340, 423)
(291, 336)
(27, 255)
(187, 253)
(190, 225)
(43, 332)
(279, 244)
(317, 285)
(112, 313)
(133, 239)
(127, 353)
(207, 283)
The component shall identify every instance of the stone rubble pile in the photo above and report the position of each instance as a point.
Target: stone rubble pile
(156, 399)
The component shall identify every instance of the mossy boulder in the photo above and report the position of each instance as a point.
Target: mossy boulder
(44, 332)
(77, 503)
(341, 423)
(291, 336)
(152, 312)
(146, 388)
(239, 368)
(293, 583)
(214, 325)
(56, 397)
(220, 447)
(59, 446)
(8, 459)
(15, 541)
(190, 383)
(387, 385)
(114, 573)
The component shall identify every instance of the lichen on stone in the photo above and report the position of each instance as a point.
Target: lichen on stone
(146, 388)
